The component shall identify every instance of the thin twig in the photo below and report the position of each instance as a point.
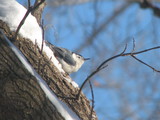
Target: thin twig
(92, 93)
(23, 20)
(146, 50)
(42, 37)
(37, 5)
(29, 10)
(134, 46)
(103, 63)
(125, 48)
(29, 4)
(87, 79)
(99, 68)
(145, 63)
(116, 56)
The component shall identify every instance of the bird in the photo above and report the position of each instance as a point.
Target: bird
(70, 61)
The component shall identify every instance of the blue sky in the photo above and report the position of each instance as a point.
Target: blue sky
(135, 23)
(69, 26)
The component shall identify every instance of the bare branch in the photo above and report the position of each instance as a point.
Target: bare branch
(87, 79)
(92, 93)
(125, 48)
(29, 4)
(103, 63)
(148, 4)
(134, 46)
(146, 50)
(38, 4)
(101, 66)
(42, 26)
(23, 20)
(145, 63)
(29, 10)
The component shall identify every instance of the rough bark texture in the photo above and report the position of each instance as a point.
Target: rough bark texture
(21, 96)
(38, 11)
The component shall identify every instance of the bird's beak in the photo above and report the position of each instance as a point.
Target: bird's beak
(86, 59)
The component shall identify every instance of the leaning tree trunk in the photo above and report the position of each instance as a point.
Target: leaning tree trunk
(21, 97)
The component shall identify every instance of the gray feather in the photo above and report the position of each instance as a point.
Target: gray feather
(61, 53)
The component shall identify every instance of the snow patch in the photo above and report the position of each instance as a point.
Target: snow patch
(72, 82)
(12, 13)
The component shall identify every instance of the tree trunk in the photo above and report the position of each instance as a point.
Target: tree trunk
(38, 11)
(21, 97)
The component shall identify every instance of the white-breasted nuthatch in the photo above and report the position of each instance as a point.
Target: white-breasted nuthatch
(70, 61)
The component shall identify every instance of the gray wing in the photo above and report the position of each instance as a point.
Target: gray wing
(65, 55)
(61, 53)
(49, 45)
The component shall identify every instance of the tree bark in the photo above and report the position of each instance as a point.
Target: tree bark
(38, 11)
(21, 97)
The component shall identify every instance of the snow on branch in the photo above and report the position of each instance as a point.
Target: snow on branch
(21, 21)
(62, 108)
